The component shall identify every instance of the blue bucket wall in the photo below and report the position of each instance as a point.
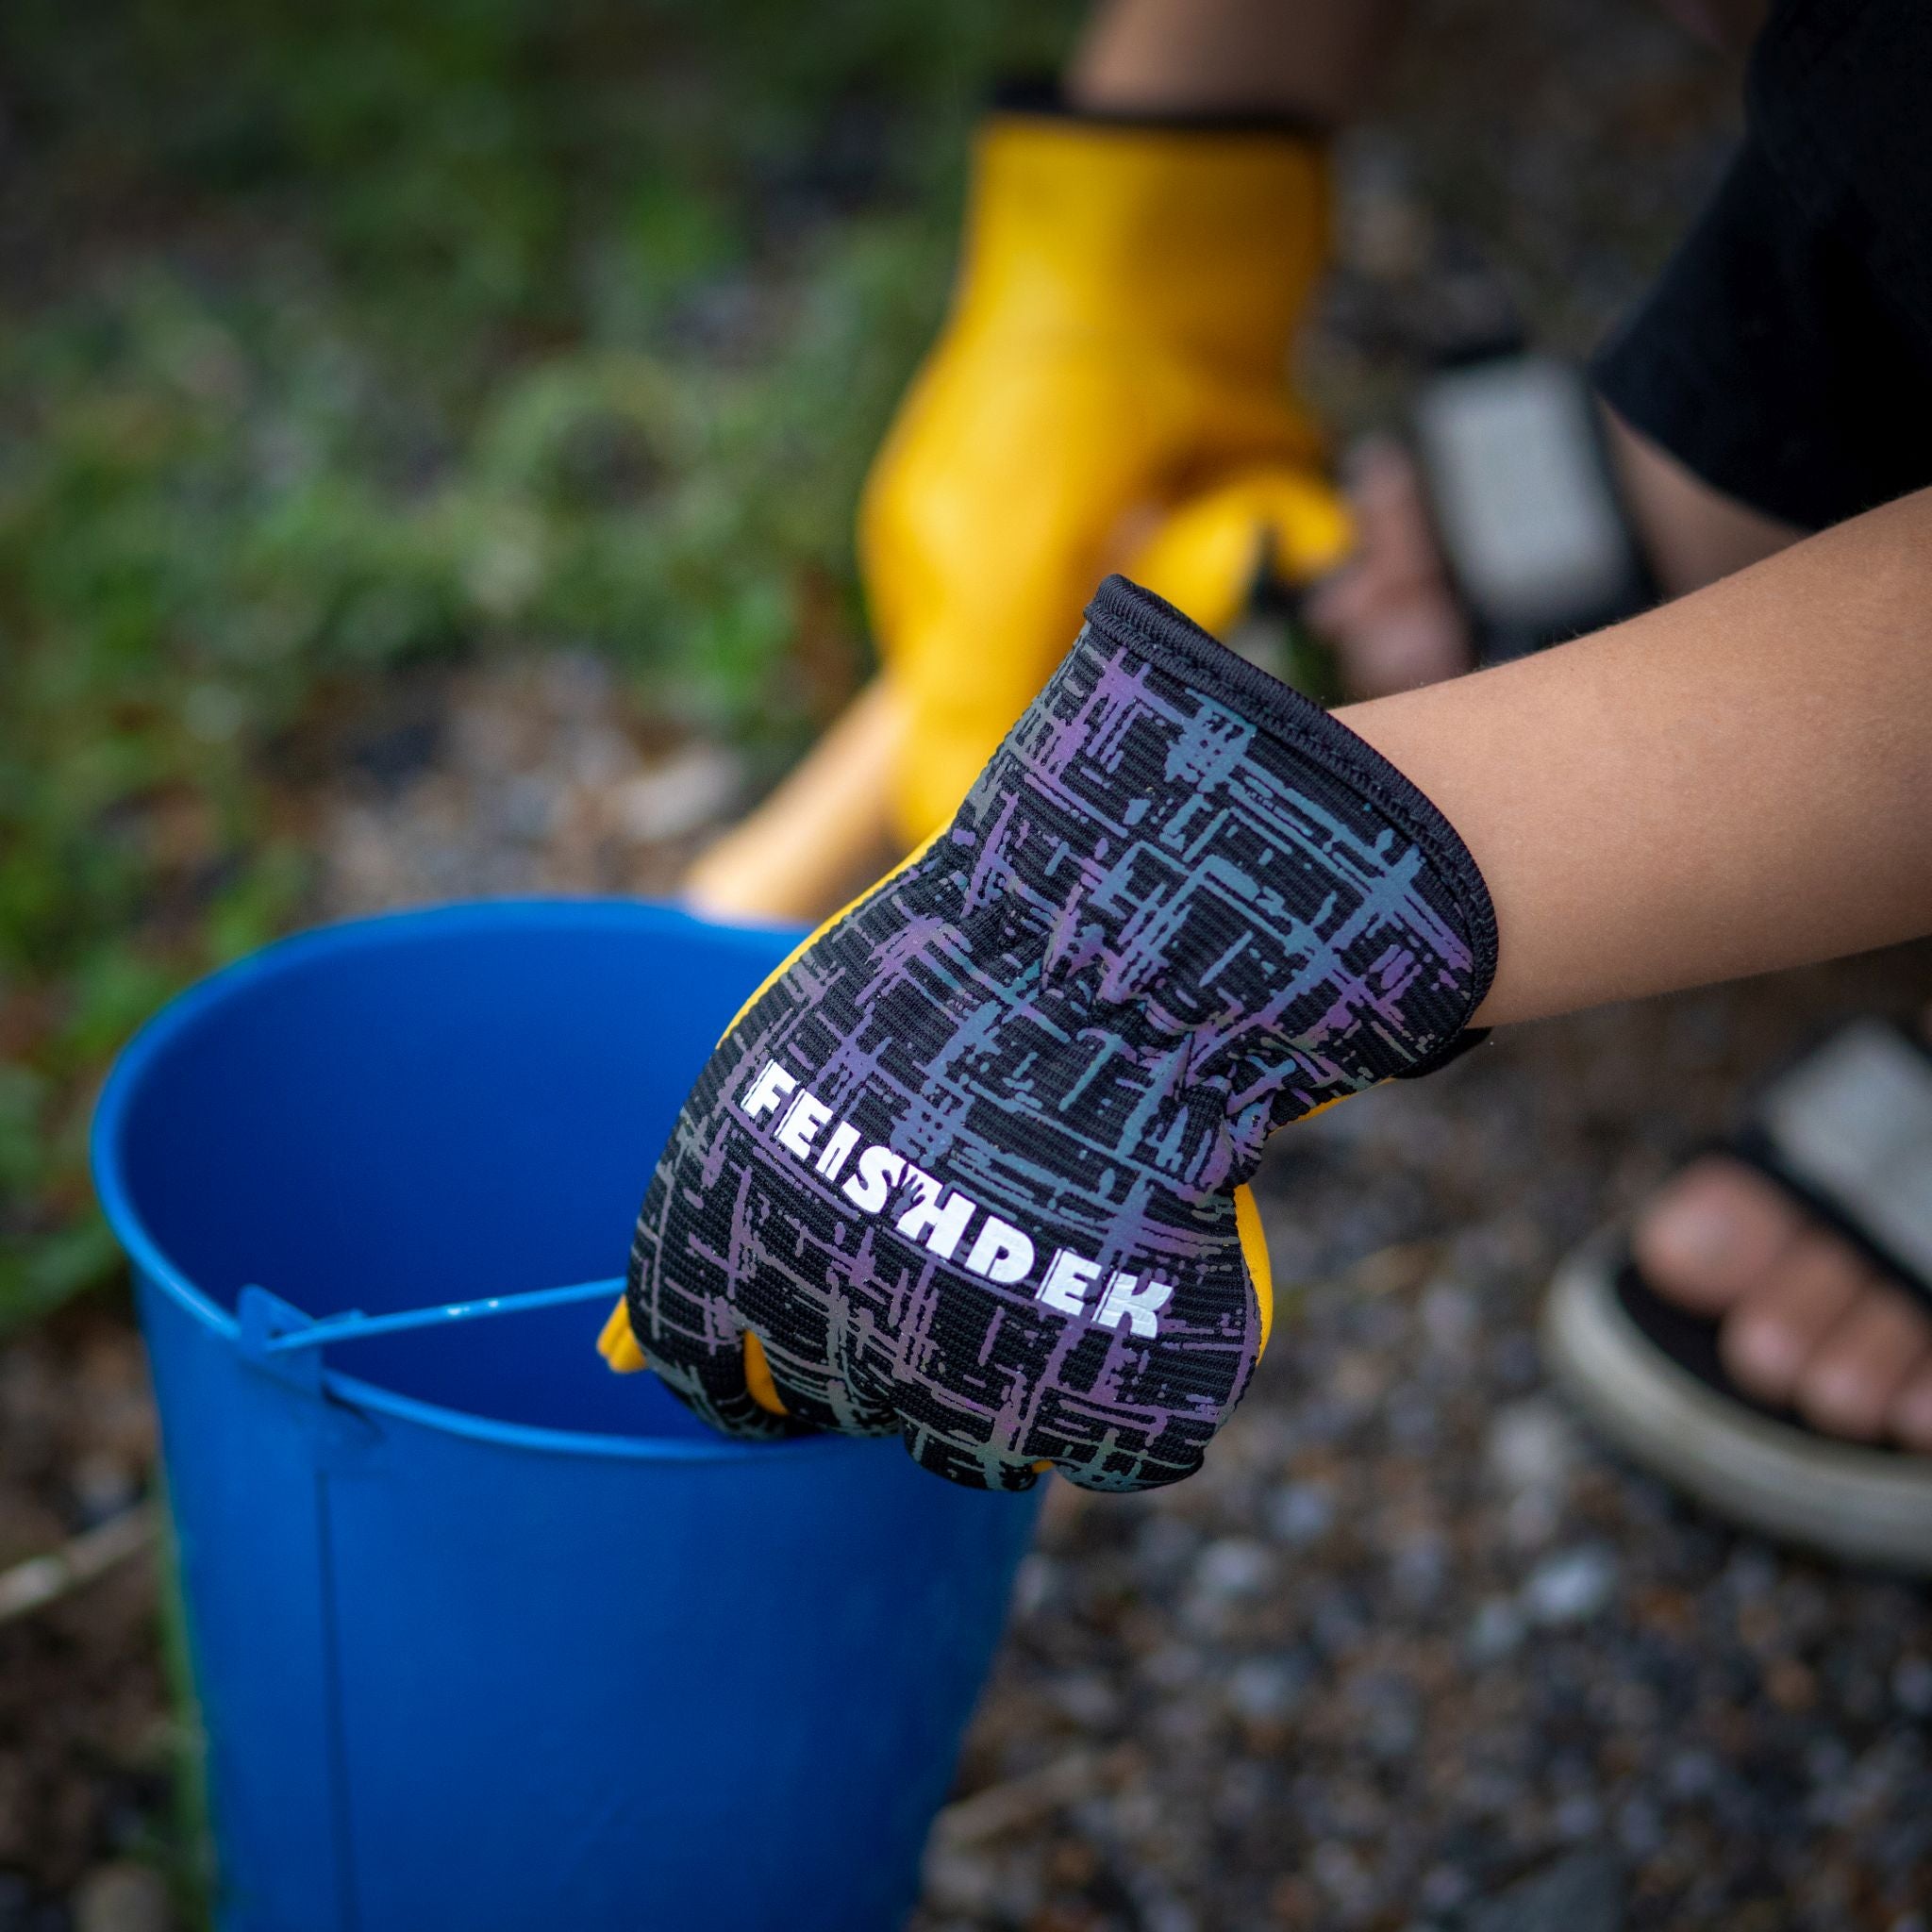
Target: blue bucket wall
(485, 1636)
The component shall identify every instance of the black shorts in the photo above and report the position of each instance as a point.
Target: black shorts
(1784, 355)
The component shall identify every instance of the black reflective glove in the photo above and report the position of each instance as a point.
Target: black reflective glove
(970, 1168)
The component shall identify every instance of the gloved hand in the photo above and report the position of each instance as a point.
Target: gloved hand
(970, 1167)
(1110, 390)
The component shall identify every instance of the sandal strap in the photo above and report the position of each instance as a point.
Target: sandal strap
(1846, 1132)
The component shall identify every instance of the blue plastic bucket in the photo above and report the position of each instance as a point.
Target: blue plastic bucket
(484, 1636)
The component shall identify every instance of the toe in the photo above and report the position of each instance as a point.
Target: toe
(1864, 1363)
(1713, 1234)
(1911, 1410)
(1776, 1327)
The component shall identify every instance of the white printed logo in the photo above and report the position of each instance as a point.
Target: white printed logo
(940, 1216)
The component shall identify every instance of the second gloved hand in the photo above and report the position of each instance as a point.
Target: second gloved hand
(1111, 390)
(970, 1168)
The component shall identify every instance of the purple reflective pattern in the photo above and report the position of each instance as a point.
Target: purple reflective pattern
(1181, 907)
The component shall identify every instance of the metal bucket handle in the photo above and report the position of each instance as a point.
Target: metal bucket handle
(277, 1336)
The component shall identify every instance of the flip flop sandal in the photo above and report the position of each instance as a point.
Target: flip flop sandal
(1847, 1133)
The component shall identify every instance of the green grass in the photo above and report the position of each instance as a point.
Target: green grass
(337, 337)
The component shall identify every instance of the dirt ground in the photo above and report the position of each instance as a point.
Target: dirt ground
(1412, 1652)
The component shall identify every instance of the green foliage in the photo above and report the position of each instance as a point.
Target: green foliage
(340, 336)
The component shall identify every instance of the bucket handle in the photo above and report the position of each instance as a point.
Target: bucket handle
(286, 1335)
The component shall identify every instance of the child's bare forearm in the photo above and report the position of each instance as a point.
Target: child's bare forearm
(1735, 782)
(1318, 58)
(1691, 532)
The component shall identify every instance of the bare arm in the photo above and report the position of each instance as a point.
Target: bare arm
(1314, 57)
(1739, 781)
(1691, 533)
(1735, 782)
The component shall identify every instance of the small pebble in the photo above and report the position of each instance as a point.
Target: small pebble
(1452, 1318)
(1164, 1544)
(103, 1485)
(1234, 1568)
(1034, 1585)
(690, 790)
(1301, 1513)
(122, 1898)
(1691, 1775)
(1578, 1816)
(1090, 1698)
(1582, 1892)
(1495, 1630)
(1418, 1571)
(1442, 1889)
(1911, 1685)
(1531, 1447)
(1571, 1585)
(1266, 1691)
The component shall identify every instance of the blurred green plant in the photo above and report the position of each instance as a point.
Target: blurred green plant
(337, 336)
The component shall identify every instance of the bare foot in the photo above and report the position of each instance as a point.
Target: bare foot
(1806, 1319)
(1390, 614)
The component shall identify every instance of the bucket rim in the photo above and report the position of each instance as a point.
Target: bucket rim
(178, 1017)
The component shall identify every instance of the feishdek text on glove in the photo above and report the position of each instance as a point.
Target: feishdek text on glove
(970, 1168)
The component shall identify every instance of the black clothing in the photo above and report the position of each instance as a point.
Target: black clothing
(1784, 355)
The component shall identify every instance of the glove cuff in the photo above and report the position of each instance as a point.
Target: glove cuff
(1207, 239)
(1045, 99)
(1129, 618)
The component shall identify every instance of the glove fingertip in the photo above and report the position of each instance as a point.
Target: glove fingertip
(715, 1392)
(617, 1342)
(758, 1378)
(1253, 1236)
(972, 1469)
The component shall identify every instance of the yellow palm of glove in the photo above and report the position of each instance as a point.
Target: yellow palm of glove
(1110, 393)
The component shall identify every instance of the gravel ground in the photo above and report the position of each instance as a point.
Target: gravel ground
(1412, 1652)
(84, 1730)
(1412, 1639)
